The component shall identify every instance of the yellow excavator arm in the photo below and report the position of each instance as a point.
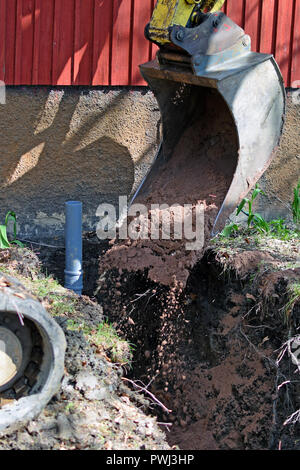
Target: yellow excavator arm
(168, 13)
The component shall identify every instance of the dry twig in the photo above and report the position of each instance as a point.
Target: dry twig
(144, 389)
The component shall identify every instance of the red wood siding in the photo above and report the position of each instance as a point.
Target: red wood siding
(101, 42)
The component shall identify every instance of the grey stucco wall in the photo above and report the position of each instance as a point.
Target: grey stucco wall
(94, 144)
(72, 143)
(283, 174)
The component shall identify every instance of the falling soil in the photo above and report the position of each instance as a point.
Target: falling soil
(198, 173)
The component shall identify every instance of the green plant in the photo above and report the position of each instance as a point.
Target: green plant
(4, 242)
(229, 230)
(255, 221)
(257, 224)
(106, 339)
(296, 204)
(261, 225)
(52, 294)
(75, 326)
(70, 407)
(253, 218)
(280, 230)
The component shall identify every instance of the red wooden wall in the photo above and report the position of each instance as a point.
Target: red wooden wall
(101, 42)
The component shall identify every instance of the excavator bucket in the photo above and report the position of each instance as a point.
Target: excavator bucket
(222, 108)
(32, 350)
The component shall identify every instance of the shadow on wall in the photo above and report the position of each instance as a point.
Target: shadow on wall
(65, 144)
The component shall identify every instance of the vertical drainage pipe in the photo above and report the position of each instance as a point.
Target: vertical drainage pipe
(73, 244)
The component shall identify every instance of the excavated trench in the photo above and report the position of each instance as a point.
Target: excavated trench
(208, 355)
(205, 342)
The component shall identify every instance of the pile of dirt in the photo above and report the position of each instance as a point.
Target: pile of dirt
(94, 409)
(209, 350)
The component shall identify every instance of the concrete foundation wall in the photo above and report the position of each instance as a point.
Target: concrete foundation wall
(94, 144)
(283, 174)
(72, 143)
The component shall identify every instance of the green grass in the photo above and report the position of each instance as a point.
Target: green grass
(4, 270)
(120, 351)
(275, 229)
(52, 293)
(46, 286)
(79, 326)
(47, 290)
(105, 339)
(62, 306)
(294, 298)
(70, 407)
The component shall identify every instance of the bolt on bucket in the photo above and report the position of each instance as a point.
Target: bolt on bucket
(222, 109)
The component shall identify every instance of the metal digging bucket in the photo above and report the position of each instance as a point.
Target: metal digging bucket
(32, 351)
(222, 109)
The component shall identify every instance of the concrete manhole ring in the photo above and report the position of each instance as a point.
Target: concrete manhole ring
(11, 356)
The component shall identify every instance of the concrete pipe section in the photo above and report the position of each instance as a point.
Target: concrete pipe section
(32, 351)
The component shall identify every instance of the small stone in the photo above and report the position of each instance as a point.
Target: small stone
(64, 429)
(86, 382)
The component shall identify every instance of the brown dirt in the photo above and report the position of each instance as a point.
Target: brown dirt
(249, 261)
(209, 350)
(199, 171)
